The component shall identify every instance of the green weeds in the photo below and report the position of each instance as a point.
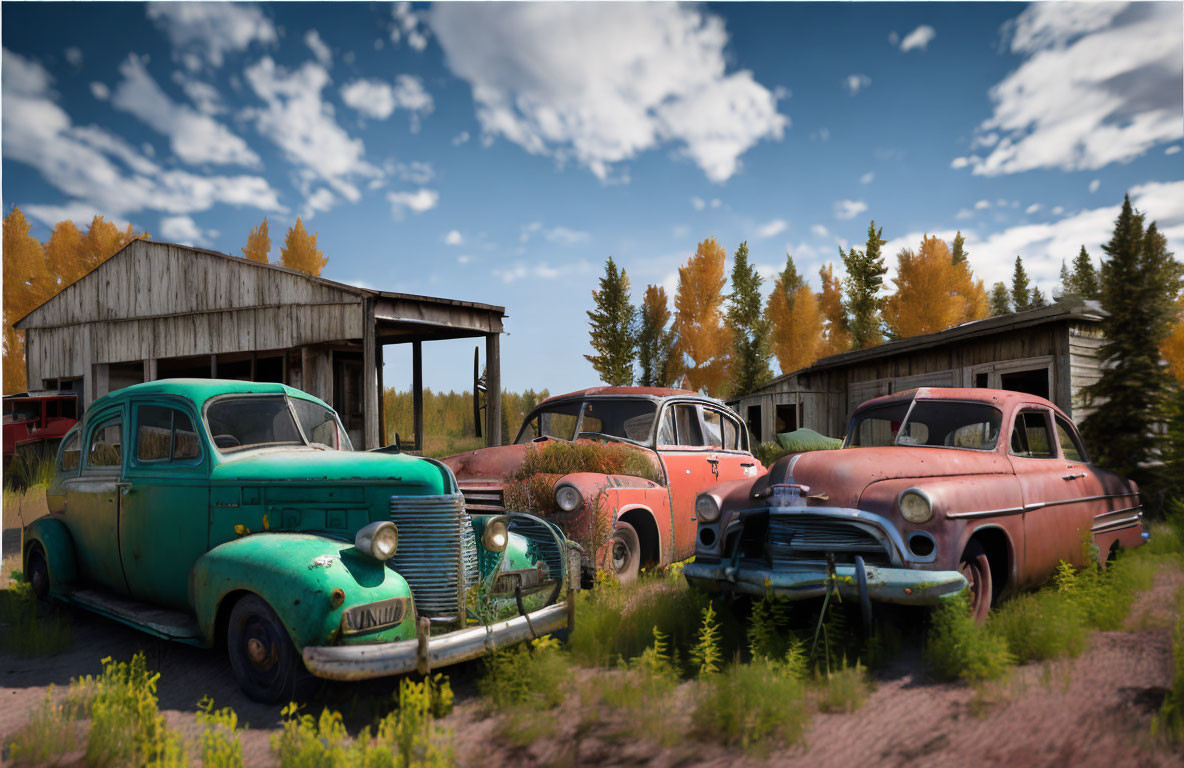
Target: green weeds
(752, 706)
(957, 648)
(1168, 723)
(29, 628)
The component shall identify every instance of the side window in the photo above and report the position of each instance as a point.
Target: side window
(165, 434)
(70, 452)
(666, 434)
(731, 434)
(686, 419)
(712, 422)
(1030, 437)
(1070, 445)
(106, 445)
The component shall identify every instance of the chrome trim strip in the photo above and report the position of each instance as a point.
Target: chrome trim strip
(1117, 511)
(1039, 505)
(986, 513)
(1113, 525)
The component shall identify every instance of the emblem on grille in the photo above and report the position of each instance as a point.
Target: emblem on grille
(373, 616)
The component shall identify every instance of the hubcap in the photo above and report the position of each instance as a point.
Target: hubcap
(256, 650)
(262, 648)
(620, 554)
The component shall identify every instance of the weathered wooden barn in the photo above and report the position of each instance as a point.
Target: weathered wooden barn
(1051, 352)
(160, 310)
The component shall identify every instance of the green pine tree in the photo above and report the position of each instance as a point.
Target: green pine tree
(1037, 298)
(1000, 300)
(655, 340)
(1085, 277)
(958, 252)
(1021, 297)
(750, 328)
(861, 286)
(1139, 283)
(1065, 286)
(613, 321)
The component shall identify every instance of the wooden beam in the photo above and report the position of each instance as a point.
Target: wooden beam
(150, 369)
(369, 378)
(382, 440)
(417, 392)
(493, 390)
(213, 366)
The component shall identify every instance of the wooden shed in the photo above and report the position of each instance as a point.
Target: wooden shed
(1050, 351)
(160, 310)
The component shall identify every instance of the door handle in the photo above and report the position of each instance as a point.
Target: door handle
(1072, 476)
(124, 487)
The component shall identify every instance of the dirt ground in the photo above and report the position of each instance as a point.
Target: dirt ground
(1091, 711)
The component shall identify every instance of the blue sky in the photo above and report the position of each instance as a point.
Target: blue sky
(500, 153)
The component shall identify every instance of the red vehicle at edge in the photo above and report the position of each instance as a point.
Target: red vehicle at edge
(37, 421)
(695, 443)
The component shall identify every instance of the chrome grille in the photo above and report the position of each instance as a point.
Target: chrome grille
(794, 537)
(542, 542)
(437, 550)
(484, 501)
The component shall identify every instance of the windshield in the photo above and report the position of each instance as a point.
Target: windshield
(624, 419)
(933, 423)
(259, 421)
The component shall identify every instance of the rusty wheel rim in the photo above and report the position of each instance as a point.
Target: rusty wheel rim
(969, 570)
(620, 555)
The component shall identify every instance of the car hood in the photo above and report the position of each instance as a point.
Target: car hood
(487, 466)
(843, 475)
(317, 466)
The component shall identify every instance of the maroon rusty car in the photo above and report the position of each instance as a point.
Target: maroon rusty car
(35, 422)
(934, 490)
(695, 443)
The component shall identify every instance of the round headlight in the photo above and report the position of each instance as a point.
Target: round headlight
(568, 498)
(379, 540)
(915, 507)
(496, 536)
(706, 509)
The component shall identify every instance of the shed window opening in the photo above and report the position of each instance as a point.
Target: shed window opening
(239, 423)
(931, 423)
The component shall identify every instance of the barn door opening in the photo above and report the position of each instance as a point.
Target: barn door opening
(347, 393)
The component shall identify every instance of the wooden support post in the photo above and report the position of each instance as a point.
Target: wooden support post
(381, 397)
(369, 378)
(213, 366)
(417, 392)
(150, 369)
(252, 366)
(493, 390)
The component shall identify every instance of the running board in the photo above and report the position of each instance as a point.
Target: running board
(162, 622)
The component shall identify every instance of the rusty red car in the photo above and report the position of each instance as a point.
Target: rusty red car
(35, 422)
(934, 491)
(694, 442)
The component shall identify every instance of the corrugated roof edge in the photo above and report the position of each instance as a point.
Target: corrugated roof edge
(341, 286)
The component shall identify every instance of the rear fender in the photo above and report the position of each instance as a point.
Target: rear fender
(55, 539)
(297, 575)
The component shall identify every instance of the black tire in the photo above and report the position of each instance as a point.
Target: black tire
(37, 572)
(624, 553)
(976, 567)
(265, 662)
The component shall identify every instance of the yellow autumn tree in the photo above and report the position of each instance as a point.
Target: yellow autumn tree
(835, 336)
(1173, 345)
(703, 339)
(796, 325)
(258, 243)
(72, 254)
(26, 285)
(300, 251)
(932, 292)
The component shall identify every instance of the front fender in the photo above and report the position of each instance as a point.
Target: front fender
(296, 574)
(58, 544)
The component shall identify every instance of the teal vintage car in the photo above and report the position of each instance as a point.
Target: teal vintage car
(237, 513)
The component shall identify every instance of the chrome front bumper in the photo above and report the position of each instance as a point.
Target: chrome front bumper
(363, 662)
(904, 586)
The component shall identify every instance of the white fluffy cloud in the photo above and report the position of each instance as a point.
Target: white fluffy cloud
(409, 25)
(100, 91)
(378, 99)
(1095, 185)
(849, 209)
(1100, 84)
(99, 171)
(867, 178)
(920, 37)
(575, 80)
(322, 199)
(454, 237)
(211, 30)
(565, 236)
(855, 83)
(319, 48)
(194, 137)
(300, 123)
(541, 270)
(772, 228)
(184, 230)
(420, 200)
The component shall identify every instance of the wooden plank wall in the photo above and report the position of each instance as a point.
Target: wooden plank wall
(1084, 364)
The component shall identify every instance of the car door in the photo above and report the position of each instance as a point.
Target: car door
(1051, 499)
(1096, 501)
(164, 510)
(691, 468)
(725, 434)
(92, 501)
